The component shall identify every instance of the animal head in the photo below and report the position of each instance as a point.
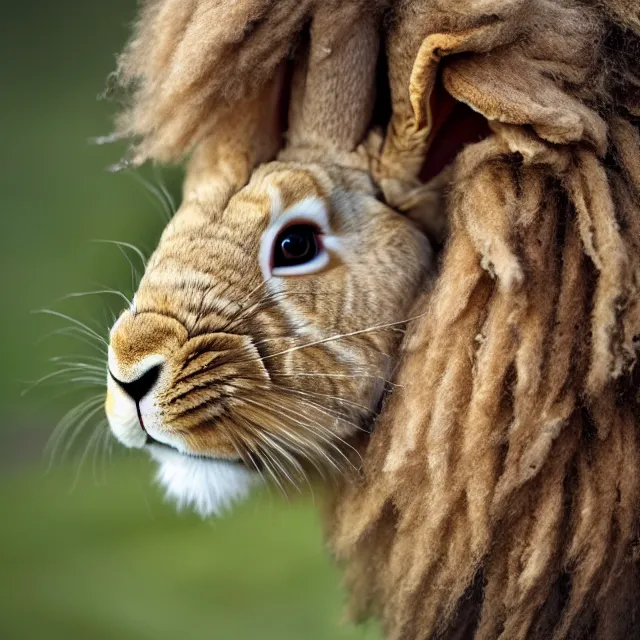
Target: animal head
(269, 317)
(262, 333)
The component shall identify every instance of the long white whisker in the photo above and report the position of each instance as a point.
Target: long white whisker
(79, 335)
(90, 380)
(292, 440)
(314, 394)
(128, 245)
(323, 433)
(68, 371)
(319, 374)
(335, 337)
(81, 365)
(66, 423)
(80, 356)
(267, 460)
(78, 429)
(332, 413)
(163, 187)
(87, 330)
(316, 429)
(82, 294)
(277, 448)
(91, 442)
(154, 191)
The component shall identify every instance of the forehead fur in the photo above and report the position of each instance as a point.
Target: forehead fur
(289, 183)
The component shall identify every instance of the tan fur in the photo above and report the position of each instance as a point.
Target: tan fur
(204, 55)
(285, 373)
(500, 494)
(501, 490)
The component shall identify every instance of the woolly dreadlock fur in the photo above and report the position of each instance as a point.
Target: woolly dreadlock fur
(500, 492)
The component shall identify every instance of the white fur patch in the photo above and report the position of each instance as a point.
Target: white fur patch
(311, 210)
(210, 487)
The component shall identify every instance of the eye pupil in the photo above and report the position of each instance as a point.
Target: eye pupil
(295, 245)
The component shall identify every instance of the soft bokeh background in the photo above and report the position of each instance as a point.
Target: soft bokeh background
(91, 550)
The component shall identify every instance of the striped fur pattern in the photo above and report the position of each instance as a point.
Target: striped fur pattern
(260, 374)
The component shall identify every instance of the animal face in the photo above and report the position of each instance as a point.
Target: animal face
(262, 332)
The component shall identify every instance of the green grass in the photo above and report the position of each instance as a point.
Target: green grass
(115, 562)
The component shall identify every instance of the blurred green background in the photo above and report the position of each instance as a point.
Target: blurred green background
(91, 550)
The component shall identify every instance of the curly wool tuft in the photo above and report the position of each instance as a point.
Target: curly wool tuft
(501, 488)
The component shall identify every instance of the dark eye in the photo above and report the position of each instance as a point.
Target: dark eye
(295, 245)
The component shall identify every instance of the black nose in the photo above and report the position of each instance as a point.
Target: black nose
(138, 389)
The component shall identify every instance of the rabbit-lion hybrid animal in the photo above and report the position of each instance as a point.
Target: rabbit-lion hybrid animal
(500, 490)
(267, 323)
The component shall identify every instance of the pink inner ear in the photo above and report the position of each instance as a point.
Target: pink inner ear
(454, 125)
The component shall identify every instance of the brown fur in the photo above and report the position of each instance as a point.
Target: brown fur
(271, 362)
(204, 55)
(281, 373)
(501, 489)
(500, 494)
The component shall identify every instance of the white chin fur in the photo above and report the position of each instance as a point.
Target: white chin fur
(208, 486)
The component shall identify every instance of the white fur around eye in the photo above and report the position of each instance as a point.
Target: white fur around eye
(310, 211)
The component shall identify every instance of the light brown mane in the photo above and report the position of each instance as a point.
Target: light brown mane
(501, 488)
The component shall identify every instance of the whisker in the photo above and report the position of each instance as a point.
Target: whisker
(319, 374)
(292, 440)
(80, 356)
(276, 448)
(332, 413)
(141, 180)
(128, 245)
(266, 459)
(243, 451)
(67, 422)
(163, 187)
(314, 394)
(79, 427)
(316, 428)
(265, 302)
(81, 365)
(338, 336)
(82, 294)
(56, 374)
(91, 381)
(77, 334)
(325, 435)
(91, 443)
(99, 454)
(86, 329)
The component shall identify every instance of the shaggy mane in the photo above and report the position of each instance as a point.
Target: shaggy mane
(500, 492)
(500, 495)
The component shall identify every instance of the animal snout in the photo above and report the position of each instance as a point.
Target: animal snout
(142, 353)
(138, 388)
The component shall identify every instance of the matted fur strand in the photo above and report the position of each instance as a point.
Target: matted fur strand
(501, 488)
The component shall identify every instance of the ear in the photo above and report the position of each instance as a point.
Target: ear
(504, 77)
(243, 136)
(416, 43)
(333, 86)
